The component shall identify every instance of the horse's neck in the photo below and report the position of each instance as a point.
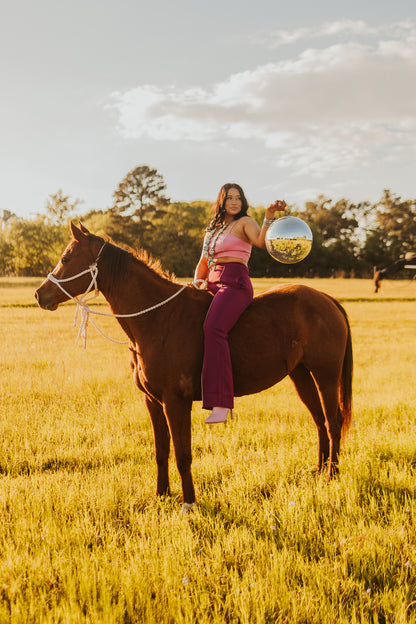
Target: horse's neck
(139, 288)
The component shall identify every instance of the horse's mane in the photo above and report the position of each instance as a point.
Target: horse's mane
(153, 263)
(118, 259)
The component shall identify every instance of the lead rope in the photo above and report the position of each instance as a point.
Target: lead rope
(84, 310)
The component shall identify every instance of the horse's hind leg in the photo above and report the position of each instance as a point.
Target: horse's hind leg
(162, 444)
(330, 397)
(308, 393)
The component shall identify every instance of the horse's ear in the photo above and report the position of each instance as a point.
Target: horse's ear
(76, 232)
(83, 228)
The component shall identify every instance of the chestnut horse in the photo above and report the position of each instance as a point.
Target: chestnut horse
(403, 263)
(289, 330)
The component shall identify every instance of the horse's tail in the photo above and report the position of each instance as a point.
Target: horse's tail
(345, 387)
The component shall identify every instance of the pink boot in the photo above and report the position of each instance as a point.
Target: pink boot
(218, 415)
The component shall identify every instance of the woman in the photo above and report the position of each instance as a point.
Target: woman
(223, 270)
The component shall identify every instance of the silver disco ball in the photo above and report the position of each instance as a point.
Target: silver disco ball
(289, 240)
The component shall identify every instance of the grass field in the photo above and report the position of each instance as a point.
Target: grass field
(83, 538)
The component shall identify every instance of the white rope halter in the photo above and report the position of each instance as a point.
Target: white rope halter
(84, 309)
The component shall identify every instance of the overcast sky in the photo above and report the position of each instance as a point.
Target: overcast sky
(290, 99)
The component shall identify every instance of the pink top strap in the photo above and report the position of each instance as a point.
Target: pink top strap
(230, 228)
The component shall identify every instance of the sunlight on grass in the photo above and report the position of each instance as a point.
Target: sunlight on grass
(83, 538)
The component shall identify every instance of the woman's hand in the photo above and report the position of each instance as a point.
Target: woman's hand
(199, 284)
(279, 206)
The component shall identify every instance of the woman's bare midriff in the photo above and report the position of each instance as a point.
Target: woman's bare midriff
(228, 259)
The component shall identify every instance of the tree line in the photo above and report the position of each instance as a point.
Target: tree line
(349, 238)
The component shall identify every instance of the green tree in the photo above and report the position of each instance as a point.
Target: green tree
(391, 231)
(5, 218)
(33, 246)
(177, 236)
(335, 230)
(107, 223)
(141, 196)
(60, 207)
(397, 219)
(6, 255)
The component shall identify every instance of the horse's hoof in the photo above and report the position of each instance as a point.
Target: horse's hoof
(332, 474)
(187, 508)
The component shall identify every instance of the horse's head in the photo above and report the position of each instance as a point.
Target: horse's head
(80, 254)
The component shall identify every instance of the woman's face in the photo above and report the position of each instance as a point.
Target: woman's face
(233, 202)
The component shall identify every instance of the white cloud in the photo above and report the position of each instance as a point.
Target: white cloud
(323, 110)
(328, 29)
(341, 29)
(357, 27)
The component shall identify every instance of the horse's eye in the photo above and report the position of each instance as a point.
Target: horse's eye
(65, 259)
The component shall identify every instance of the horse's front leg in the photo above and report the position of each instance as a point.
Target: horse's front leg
(162, 444)
(178, 415)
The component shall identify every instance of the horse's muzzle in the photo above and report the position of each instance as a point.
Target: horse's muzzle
(46, 300)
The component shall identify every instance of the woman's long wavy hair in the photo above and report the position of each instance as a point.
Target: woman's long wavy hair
(219, 206)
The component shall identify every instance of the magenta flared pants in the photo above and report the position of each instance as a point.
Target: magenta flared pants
(233, 292)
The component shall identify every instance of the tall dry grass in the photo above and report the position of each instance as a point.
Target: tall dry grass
(83, 539)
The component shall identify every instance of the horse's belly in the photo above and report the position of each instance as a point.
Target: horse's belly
(252, 385)
(258, 373)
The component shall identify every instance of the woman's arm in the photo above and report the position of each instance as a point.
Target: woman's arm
(257, 235)
(201, 271)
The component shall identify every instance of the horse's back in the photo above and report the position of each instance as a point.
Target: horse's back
(307, 303)
(284, 326)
